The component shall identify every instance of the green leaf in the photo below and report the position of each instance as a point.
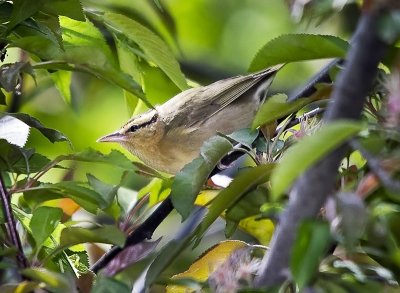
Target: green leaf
(248, 206)
(115, 158)
(308, 151)
(276, 107)
(51, 134)
(247, 181)
(44, 221)
(62, 81)
(55, 282)
(244, 136)
(298, 47)
(75, 235)
(32, 164)
(69, 8)
(106, 191)
(24, 9)
(311, 244)
(85, 197)
(41, 46)
(152, 45)
(129, 63)
(189, 181)
(109, 285)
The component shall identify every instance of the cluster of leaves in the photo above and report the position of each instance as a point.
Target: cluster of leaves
(58, 37)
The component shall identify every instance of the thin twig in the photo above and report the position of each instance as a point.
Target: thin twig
(375, 166)
(11, 227)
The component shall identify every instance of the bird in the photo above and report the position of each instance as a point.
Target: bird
(169, 136)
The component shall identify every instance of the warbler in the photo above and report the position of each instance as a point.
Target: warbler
(170, 135)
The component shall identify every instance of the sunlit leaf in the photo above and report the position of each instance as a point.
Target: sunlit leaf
(51, 134)
(201, 269)
(261, 229)
(62, 80)
(153, 46)
(14, 130)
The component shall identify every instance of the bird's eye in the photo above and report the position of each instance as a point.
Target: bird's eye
(133, 128)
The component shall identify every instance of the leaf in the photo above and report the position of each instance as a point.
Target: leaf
(13, 130)
(298, 47)
(106, 234)
(129, 256)
(153, 46)
(109, 285)
(69, 8)
(204, 266)
(189, 181)
(129, 63)
(44, 221)
(32, 164)
(21, 287)
(276, 107)
(106, 191)
(85, 197)
(308, 151)
(244, 136)
(12, 156)
(351, 219)
(312, 242)
(261, 229)
(40, 46)
(22, 10)
(51, 134)
(62, 81)
(247, 180)
(115, 158)
(56, 282)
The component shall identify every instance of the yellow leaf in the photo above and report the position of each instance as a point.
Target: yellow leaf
(201, 269)
(262, 229)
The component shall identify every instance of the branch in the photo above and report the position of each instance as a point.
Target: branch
(144, 231)
(310, 191)
(11, 227)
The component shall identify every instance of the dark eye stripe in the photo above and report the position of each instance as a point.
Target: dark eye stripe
(135, 127)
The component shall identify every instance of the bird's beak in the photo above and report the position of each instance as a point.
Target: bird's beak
(112, 137)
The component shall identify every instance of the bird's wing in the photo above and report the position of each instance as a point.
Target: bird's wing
(223, 93)
(199, 104)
